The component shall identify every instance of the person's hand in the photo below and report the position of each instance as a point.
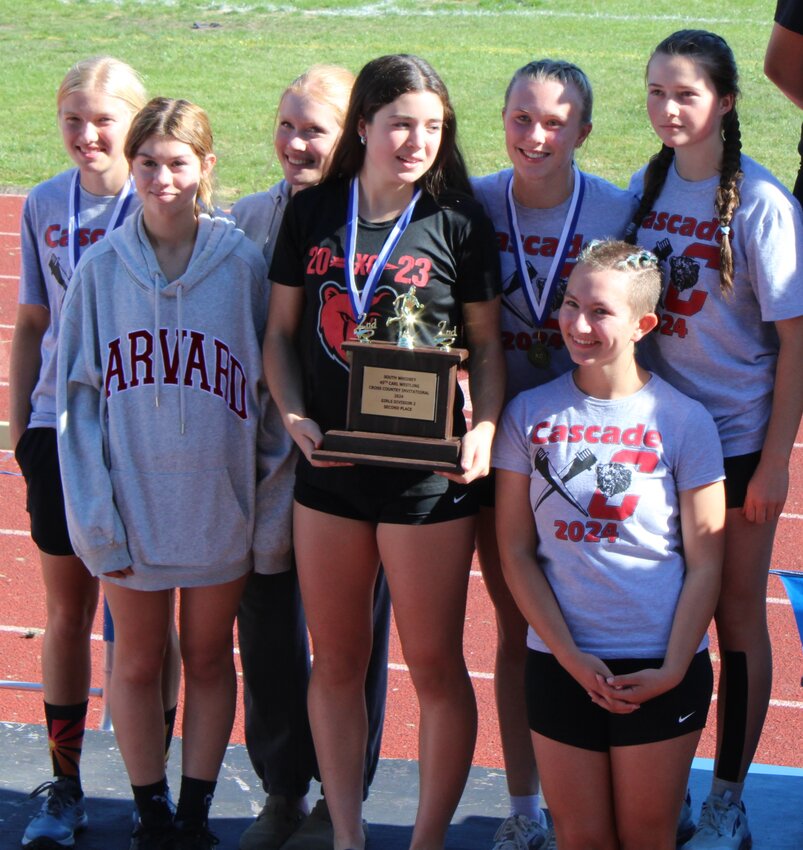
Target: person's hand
(593, 674)
(766, 491)
(642, 685)
(475, 455)
(308, 437)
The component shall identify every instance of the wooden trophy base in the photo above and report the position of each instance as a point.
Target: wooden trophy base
(400, 408)
(397, 451)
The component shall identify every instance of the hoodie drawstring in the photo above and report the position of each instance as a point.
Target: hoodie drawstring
(157, 297)
(180, 332)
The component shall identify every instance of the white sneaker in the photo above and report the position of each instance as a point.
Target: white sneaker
(722, 826)
(518, 832)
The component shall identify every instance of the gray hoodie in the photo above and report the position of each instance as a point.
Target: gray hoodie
(158, 441)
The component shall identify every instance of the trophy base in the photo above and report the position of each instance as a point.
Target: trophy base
(424, 453)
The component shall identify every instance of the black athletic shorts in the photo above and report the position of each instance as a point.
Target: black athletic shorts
(559, 708)
(38, 458)
(381, 494)
(739, 470)
(486, 488)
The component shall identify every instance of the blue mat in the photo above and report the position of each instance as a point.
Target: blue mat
(774, 797)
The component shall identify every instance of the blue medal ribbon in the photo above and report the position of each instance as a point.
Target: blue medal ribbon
(361, 301)
(539, 307)
(73, 227)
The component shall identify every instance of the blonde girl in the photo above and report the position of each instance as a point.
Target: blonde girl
(61, 218)
(271, 625)
(730, 241)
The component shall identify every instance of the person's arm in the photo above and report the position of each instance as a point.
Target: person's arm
(26, 360)
(486, 385)
(783, 63)
(516, 534)
(768, 488)
(96, 527)
(702, 520)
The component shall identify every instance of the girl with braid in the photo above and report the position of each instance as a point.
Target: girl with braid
(730, 334)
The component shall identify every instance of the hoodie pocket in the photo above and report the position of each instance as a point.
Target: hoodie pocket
(181, 519)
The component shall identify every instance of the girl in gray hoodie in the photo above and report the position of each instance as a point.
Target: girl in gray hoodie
(158, 408)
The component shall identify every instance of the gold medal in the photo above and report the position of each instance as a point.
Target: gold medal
(538, 355)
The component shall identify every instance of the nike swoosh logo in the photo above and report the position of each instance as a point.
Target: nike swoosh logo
(457, 499)
(685, 717)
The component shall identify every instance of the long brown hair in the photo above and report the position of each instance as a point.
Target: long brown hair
(712, 54)
(380, 82)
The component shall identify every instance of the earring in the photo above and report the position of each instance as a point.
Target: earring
(362, 140)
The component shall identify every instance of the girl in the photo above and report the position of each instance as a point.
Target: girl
(730, 240)
(158, 411)
(272, 629)
(609, 518)
(62, 216)
(397, 163)
(543, 209)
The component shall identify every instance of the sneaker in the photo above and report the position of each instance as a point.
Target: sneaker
(722, 826)
(61, 816)
(686, 827)
(193, 838)
(316, 832)
(156, 837)
(518, 832)
(275, 824)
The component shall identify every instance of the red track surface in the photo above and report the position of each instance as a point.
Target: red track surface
(22, 608)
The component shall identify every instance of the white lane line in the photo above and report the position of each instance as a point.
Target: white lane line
(401, 668)
(791, 516)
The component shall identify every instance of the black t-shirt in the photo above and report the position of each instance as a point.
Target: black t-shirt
(789, 14)
(448, 252)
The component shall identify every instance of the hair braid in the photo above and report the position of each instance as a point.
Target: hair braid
(728, 197)
(654, 179)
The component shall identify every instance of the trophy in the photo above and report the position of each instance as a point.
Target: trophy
(401, 396)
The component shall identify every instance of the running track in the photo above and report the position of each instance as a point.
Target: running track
(22, 611)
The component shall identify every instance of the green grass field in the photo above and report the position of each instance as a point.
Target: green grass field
(238, 69)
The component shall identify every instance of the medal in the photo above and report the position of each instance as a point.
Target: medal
(361, 302)
(538, 354)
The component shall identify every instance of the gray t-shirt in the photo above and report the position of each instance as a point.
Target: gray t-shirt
(606, 212)
(45, 267)
(723, 350)
(604, 482)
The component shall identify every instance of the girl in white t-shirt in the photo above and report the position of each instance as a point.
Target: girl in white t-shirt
(730, 241)
(610, 516)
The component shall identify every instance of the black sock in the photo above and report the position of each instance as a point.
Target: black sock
(194, 801)
(152, 803)
(734, 719)
(65, 733)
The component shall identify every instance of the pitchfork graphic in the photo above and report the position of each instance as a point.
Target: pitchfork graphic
(583, 460)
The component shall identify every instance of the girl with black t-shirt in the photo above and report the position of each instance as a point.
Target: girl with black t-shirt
(396, 174)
